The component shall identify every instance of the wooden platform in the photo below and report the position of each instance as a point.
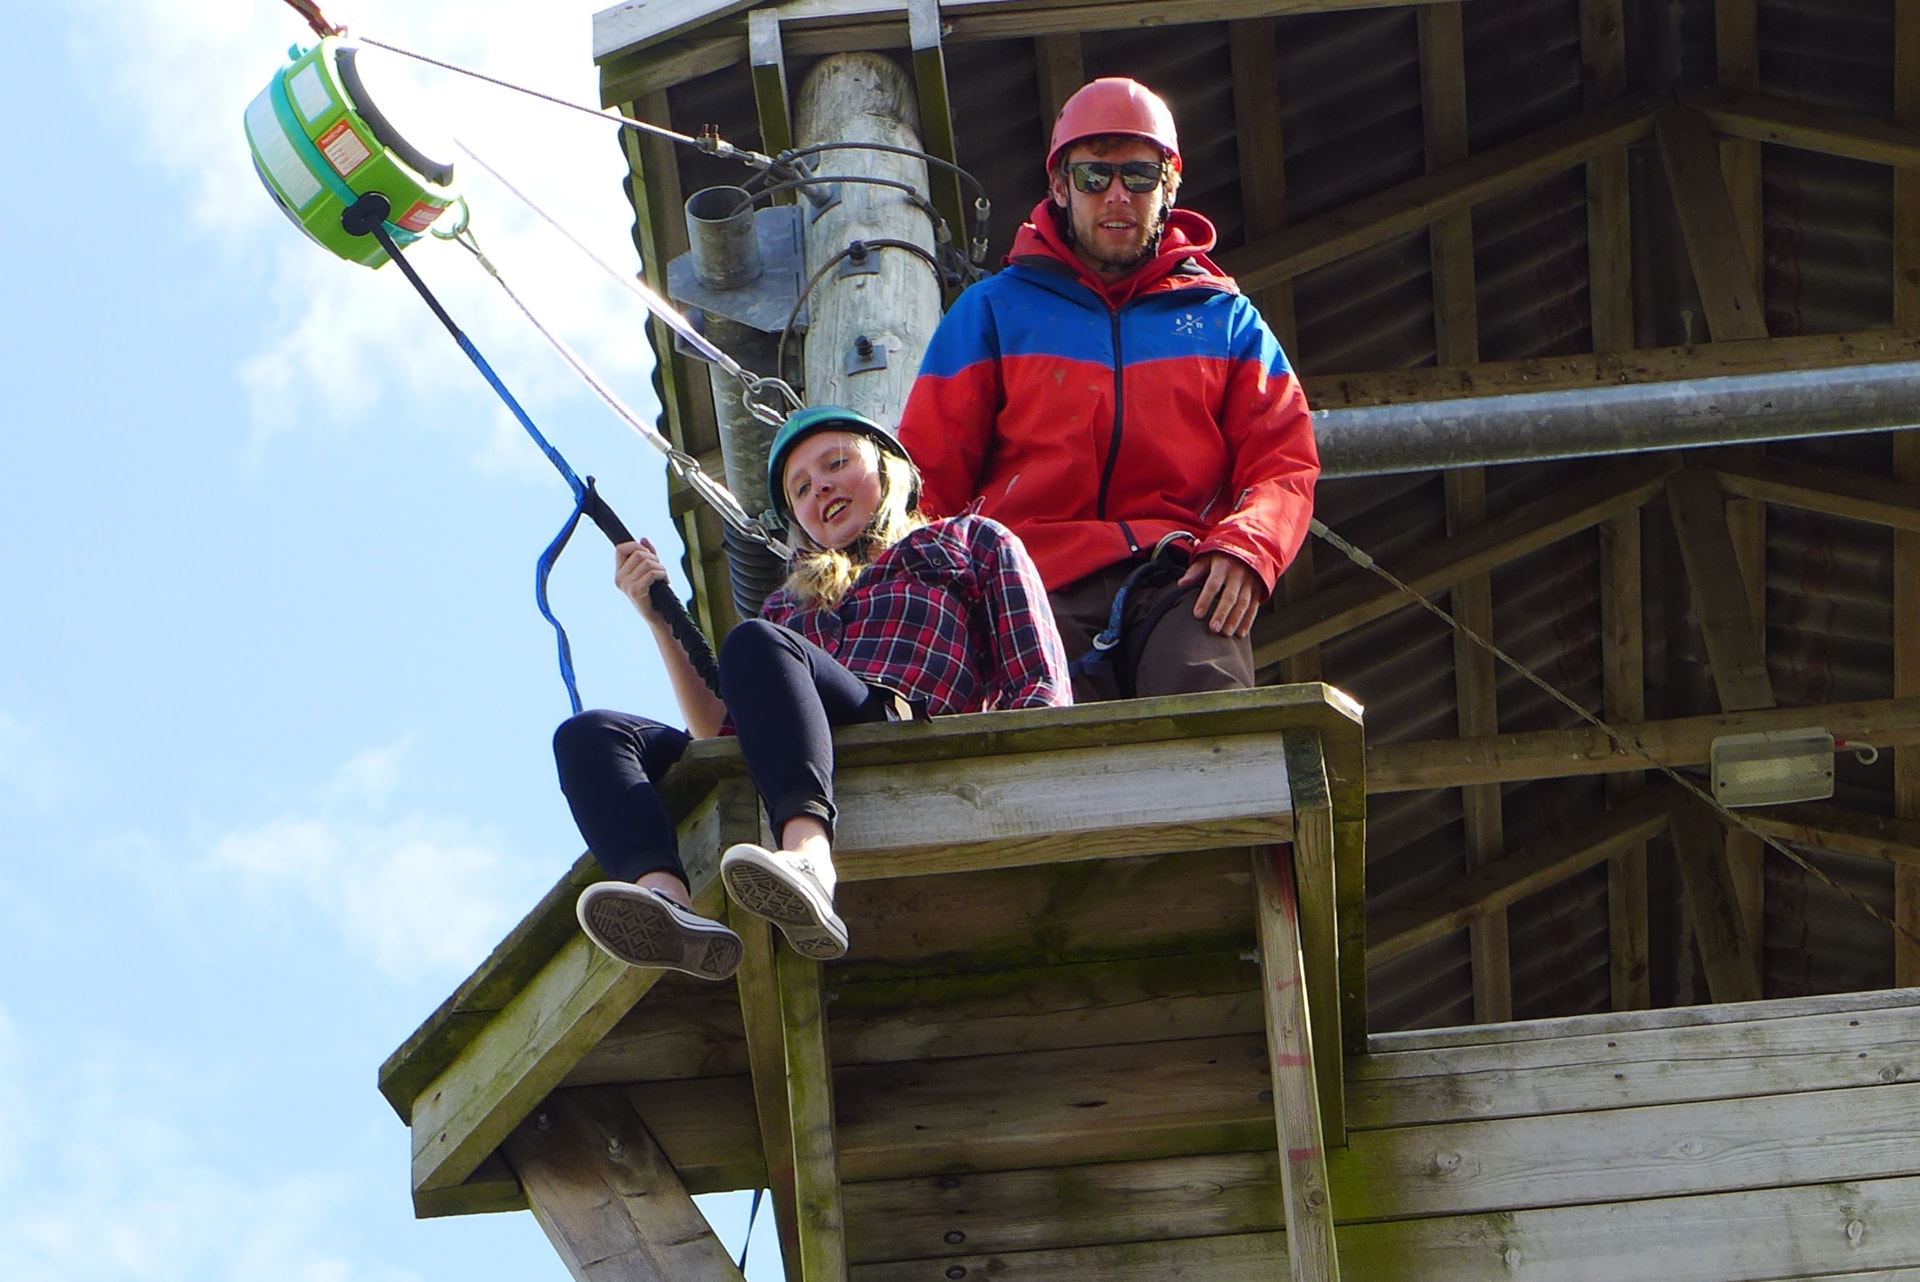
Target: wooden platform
(1094, 975)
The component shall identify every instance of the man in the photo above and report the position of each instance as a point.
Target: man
(1116, 401)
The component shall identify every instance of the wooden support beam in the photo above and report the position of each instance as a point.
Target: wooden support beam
(1684, 741)
(767, 1059)
(1603, 61)
(1456, 336)
(1906, 470)
(1852, 496)
(1253, 46)
(1736, 51)
(1726, 950)
(1825, 130)
(608, 1198)
(1594, 371)
(1721, 269)
(1317, 894)
(1414, 204)
(936, 115)
(1746, 853)
(1525, 872)
(816, 1158)
(557, 1015)
(1290, 1057)
(622, 30)
(1060, 69)
(772, 103)
(1732, 636)
(1893, 839)
(1623, 702)
(1441, 565)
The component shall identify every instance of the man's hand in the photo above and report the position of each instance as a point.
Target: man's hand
(1230, 592)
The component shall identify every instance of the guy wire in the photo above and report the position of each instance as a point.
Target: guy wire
(1624, 742)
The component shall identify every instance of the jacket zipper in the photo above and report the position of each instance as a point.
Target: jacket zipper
(1119, 418)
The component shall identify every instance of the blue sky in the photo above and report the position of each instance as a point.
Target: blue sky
(274, 698)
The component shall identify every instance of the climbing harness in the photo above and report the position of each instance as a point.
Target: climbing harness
(1117, 643)
(1624, 742)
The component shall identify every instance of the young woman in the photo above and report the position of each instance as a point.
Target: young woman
(884, 616)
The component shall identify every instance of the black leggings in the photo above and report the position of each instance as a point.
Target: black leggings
(785, 695)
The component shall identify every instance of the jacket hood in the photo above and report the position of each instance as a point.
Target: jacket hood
(1181, 261)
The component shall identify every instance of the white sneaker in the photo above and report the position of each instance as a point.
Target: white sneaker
(642, 927)
(785, 889)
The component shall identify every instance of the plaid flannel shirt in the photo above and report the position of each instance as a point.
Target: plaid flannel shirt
(953, 615)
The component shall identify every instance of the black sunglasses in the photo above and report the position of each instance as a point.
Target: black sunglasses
(1095, 176)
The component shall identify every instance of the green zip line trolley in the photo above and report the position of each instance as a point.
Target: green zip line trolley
(323, 136)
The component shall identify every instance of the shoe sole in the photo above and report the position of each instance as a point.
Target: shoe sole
(641, 932)
(765, 893)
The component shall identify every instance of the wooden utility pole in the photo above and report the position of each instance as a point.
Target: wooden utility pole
(873, 308)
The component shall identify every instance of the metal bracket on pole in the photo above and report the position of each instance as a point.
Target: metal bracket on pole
(866, 356)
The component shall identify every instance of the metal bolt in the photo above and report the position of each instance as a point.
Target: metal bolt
(863, 346)
(956, 1272)
(614, 1147)
(948, 1182)
(955, 1237)
(542, 1122)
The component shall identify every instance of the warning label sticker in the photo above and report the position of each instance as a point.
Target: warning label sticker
(343, 148)
(421, 216)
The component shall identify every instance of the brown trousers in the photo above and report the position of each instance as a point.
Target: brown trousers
(1178, 656)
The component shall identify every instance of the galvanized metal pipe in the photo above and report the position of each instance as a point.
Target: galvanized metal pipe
(1728, 410)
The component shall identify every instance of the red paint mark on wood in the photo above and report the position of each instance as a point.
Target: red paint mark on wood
(1286, 1059)
(1306, 1154)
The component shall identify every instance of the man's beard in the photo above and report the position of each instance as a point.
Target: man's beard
(1145, 254)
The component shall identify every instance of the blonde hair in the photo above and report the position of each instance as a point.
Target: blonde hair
(820, 577)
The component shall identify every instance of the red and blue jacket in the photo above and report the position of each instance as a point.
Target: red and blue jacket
(1092, 417)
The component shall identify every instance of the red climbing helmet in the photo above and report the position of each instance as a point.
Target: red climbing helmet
(1114, 105)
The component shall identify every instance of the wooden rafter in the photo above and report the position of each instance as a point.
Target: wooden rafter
(1603, 58)
(1727, 951)
(1475, 551)
(641, 25)
(1857, 136)
(1547, 862)
(608, 1198)
(936, 113)
(1736, 51)
(1906, 469)
(1684, 741)
(1414, 204)
(1722, 271)
(1889, 838)
(1623, 702)
(1720, 598)
(1853, 496)
(759, 989)
(1456, 334)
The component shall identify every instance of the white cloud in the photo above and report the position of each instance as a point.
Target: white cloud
(27, 766)
(413, 894)
(116, 1184)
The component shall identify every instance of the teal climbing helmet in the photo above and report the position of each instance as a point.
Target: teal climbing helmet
(825, 418)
